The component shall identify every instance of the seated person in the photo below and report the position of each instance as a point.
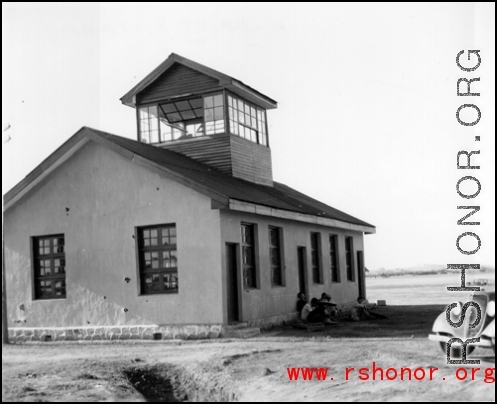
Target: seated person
(361, 311)
(315, 313)
(331, 306)
(301, 302)
(306, 310)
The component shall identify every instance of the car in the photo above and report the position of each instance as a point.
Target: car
(485, 329)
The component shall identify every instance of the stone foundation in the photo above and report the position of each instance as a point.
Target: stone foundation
(151, 332)
(268, 323)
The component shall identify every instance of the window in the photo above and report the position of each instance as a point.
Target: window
(349, 249)
(247, 120)
(149, 130)
(275, 256)
(335, 269)
(248, 256)
(49, 267)
(315, 258)
(158, 259)
(182, 119)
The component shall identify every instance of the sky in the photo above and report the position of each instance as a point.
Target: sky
(366, 118)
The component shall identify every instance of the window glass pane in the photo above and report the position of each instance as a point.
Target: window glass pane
(154, 136)
(241, 117)
(60, 288)
(218, 100)
(166, 259)
(144, 113)
(152, 111)
(209, 128)
(254, 123)
(170, 282)
(208, 102)
(252, 112)
(218, 113)
(165, 131)
(174, 259)
(168, 108)
(152, 283)
(240, 105)
(209, 115)
(45, 288)
(148, 260)
(188, 115)
(182, 105)
(155, 260)
(230, 100)
(233, 127)
(199, 112)
(219, 126)
(154, 124)
(196, 103)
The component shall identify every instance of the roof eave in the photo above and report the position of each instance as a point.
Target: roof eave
(248, 207)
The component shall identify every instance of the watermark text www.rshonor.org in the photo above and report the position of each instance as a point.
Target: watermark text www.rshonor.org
(468, 115)
(377, 373)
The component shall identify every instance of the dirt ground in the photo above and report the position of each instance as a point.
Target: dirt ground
(250, 370)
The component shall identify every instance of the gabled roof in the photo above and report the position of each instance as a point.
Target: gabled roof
(225, 81)
(226, 191)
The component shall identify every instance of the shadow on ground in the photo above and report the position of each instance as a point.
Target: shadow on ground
(402, 322)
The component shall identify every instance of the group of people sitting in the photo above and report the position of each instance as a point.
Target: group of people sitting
(321, 310)
(325, 311)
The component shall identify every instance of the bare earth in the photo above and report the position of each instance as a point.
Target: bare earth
(248, 370)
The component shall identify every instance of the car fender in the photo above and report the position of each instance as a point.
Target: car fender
(442, 326)
(489, 331)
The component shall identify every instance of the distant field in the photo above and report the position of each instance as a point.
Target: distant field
(420, 289)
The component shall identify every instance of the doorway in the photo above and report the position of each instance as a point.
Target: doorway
(232, 283)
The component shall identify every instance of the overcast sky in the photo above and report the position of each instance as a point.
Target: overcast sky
(366, 100)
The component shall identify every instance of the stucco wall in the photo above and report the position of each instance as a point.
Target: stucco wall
(267, 301)
(96, 199)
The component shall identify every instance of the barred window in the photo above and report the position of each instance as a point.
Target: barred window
(315, 258)
(49, 267)
(349, 250)
(275, 256)
(335, 269)
(248, 256)
(158, 259)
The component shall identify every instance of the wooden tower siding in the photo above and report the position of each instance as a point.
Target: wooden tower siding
(177, 80)
(211, 150)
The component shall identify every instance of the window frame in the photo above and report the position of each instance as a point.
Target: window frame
(254, 254)
(141, 250)
(159, 104)
(236, 97)
(317, 267)
(279, 248)
(349, 258)
(334, 259)
(35, 267)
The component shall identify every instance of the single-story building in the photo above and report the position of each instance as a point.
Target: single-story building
(182, 232)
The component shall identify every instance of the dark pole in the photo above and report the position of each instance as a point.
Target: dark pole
(5, 326)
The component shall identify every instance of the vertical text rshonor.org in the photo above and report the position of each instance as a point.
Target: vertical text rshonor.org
(464, 163)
